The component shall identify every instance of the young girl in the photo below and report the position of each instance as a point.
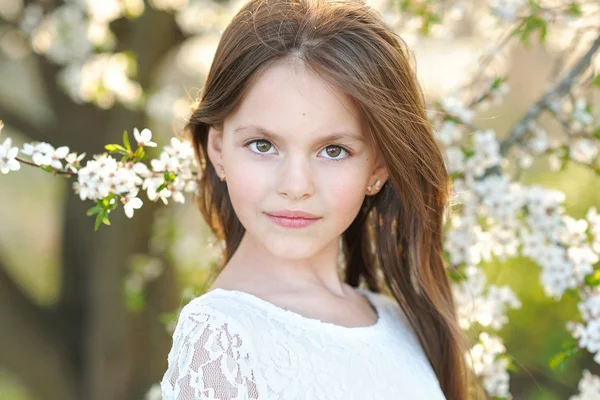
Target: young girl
(319, 156)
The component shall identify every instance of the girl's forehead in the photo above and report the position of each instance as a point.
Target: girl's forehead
(294, 97)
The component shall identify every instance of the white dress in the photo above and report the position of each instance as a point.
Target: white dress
(230, 345)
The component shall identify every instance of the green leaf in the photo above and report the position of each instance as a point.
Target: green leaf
(569, 349)
(94, 210)
(468, 153)
(115, 148)
(126, 141)
(99, 218)
(597, 131)
(592, 279)
(139, 154)
(597, 80)
(574, 9)
(106, 200)
(161, 187)
(557, 360)
(169, 176)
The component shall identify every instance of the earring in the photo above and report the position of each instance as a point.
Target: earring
(223, 173)
(377, 183)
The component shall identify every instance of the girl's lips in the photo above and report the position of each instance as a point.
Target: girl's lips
(292, 222)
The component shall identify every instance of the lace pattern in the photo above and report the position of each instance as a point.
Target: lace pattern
(210, 358)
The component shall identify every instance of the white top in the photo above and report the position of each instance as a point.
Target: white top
(230, 345)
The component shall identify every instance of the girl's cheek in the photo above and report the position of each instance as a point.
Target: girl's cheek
(346, 194)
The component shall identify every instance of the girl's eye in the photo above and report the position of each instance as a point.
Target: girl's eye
(261, 145)
(337, 150)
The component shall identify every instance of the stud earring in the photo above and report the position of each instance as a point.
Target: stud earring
(223, 174)
(377, 183)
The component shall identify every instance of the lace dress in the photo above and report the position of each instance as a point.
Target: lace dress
(230, 345)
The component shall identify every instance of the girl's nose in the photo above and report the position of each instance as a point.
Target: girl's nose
(296, 178)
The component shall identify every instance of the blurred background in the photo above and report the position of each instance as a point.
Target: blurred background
(87, 314)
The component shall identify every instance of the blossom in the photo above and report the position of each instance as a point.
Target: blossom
(589, 387)
(7, 157)
(73, 160)
(132, 203)
(486, 363)
(144, 138)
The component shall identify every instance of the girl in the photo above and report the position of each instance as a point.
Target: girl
(319, 155)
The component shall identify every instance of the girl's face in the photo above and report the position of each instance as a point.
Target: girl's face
(295, 143)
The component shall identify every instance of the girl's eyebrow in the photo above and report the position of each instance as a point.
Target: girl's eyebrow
(332, 137)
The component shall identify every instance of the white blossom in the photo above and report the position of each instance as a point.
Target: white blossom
(132, 203)
(589, 387)
(486, 363)
(455, 107)
(144, 138)
(73, 159)
(7, 156)
(583, 150)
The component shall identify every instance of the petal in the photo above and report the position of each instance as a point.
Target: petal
(128, 211)
(14, 165)
(146, 135)
(12, 152)
(135, 203)
(7, 143)
(28, 149)
(38, 158)
(136, 135)
(62, 152)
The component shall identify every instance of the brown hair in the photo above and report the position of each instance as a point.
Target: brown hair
(349, 44)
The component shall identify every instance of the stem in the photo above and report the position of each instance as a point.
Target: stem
(56, 171)
(520, 128)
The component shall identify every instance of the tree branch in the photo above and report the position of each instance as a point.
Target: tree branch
(520, 127)
(28, 334)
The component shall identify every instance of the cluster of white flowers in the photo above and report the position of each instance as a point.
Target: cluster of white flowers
(475, 305)
(72, 34)
(487, 362)
(179, 159)
(102, 79)
(104, 175)
(589, 387)
(496, 217)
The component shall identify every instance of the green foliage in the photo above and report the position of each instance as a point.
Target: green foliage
(569, 349)
(135, 301)
(126, 150)
(102, 208)
(425, 9)
(169, 178)
(531, 23)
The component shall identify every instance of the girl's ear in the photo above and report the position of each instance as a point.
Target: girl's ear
(215, 149)
(379, 176)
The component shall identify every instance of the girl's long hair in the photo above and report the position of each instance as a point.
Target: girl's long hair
(395, 242)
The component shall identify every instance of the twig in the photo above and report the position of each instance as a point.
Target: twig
(520, 127)
(55, 171)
